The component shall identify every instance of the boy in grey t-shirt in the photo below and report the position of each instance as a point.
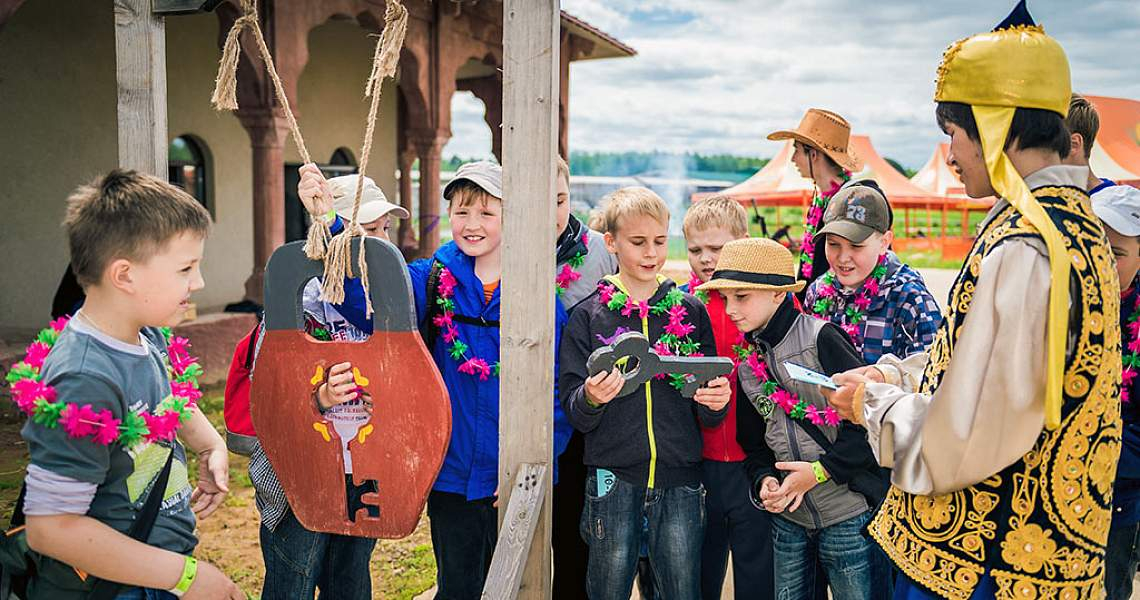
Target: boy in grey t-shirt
(136, 243)
(89, 367)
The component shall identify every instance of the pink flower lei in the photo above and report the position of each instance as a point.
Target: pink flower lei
(473, 366)
(855, 313)
(789, 402)
(1131, 356)
(38, 400)
(811, 224)
(675, 340)
(694, 283)
(569, 272)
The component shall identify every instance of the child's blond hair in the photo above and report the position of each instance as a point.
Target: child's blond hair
(633, 200)
(562, 168)
(126, 214)
(716, 211)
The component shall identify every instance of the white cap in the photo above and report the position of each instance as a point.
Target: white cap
(1118, 207)
(373, 203)
(484, 173)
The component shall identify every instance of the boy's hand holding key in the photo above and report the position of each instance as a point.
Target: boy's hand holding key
(715, 395)
(604, 386)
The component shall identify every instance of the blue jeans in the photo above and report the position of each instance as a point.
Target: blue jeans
(298, 561)
(1120, 560)
(612, 524)
(846, 554)
(145, 594)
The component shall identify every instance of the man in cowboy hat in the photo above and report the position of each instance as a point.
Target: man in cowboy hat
(823, 154)
(1004, 438)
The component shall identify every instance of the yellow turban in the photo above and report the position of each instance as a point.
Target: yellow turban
(1017, 66)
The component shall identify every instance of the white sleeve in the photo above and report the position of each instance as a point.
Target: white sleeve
(51, 494)
(988, 410)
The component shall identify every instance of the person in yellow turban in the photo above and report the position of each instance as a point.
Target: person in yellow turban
(1003, 438)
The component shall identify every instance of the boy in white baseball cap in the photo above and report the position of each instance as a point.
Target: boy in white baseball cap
(1118, 208)
(376, 213)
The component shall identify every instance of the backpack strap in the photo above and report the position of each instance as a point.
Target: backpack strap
(429, 331)
(140, 529)
(251, 351)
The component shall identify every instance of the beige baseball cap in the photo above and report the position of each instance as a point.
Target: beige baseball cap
(373, 203)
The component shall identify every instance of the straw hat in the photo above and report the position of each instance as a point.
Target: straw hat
(826, 131)
(755, 264)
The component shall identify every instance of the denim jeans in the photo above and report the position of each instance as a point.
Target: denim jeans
(298, 561)
(735, 522)
(463, 535)
(145, 594)
(1120, 560)
(846, 554)
(612, 524)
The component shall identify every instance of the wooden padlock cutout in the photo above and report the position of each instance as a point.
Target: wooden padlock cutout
(401, 447)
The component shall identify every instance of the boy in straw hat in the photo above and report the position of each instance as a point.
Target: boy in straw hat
(1004, 438)
(823, 154)
(805, 465)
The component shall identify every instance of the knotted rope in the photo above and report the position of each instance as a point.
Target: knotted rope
(320, 244)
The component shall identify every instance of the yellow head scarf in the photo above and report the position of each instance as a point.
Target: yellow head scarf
(1017, 66)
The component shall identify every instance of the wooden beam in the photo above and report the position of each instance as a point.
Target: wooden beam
(140, 69)
(530, 141)
(516, 535)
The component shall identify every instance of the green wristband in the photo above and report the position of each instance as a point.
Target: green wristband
(820, 474)
(330, 216)
(189, 572)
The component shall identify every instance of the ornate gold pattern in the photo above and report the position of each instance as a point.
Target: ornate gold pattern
(1041, 524)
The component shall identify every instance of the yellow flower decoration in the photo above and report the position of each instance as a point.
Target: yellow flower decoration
(933, 511)
(1028, 548)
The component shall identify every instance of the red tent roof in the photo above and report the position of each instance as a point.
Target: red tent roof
(780, 182)
(1116, 153)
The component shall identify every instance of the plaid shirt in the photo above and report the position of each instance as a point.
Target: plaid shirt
(902, 318)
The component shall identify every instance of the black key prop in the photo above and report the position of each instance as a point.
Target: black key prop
(647, 364)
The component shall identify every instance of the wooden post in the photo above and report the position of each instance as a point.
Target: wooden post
(140, 69)
(530, 141)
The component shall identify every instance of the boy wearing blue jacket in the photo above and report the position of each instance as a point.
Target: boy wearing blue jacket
(457, 306)
(457, 302)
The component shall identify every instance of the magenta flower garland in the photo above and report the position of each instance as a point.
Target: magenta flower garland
(856, 312)
(38, 400)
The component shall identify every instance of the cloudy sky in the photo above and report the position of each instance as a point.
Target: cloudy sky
(718, 75)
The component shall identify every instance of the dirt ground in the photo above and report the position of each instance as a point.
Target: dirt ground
(401, 569)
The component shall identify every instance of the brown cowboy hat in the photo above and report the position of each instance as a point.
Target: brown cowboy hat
(827, 132)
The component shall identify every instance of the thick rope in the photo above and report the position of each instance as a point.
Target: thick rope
(225, 98)
(338, 261)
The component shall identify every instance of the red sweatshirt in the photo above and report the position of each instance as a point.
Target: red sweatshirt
(720, 441)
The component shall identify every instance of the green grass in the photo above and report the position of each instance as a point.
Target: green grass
(413, 575)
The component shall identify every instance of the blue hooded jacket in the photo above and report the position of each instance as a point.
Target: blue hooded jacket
(471, 467)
